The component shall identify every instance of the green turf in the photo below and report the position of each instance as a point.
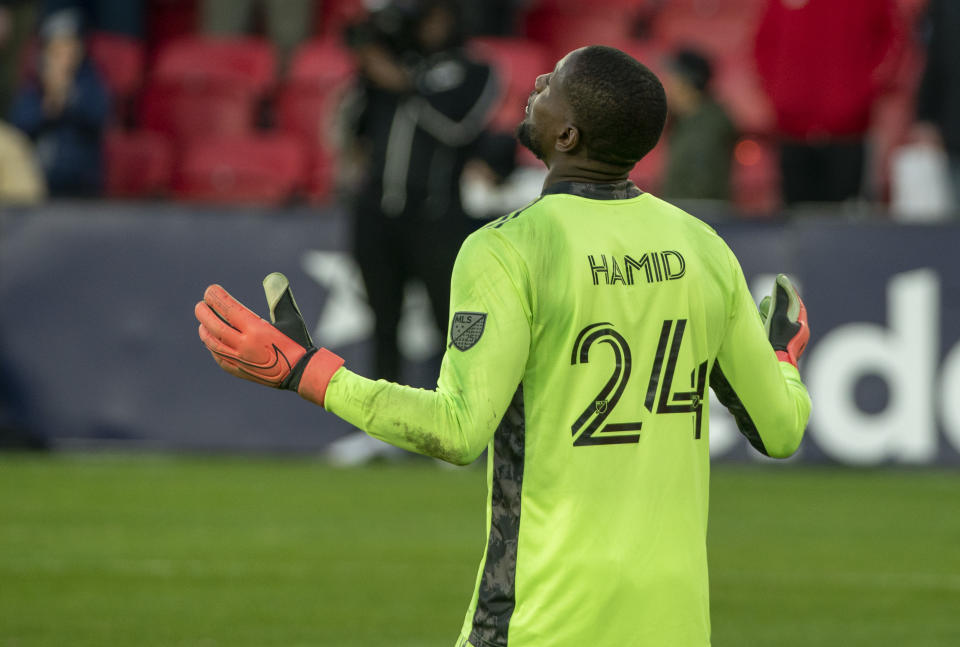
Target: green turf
(107, 550)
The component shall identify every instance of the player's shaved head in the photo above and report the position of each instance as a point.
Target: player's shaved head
(618, 104)
(596, 114)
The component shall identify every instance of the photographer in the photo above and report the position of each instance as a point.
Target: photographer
(417, 117)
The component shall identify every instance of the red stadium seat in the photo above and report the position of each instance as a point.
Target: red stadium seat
(318, 75)
(323, 62)
(648, 52)
(517, 62)
(120, 61)
(308, 112)
(562, 32)
(713, 8)
(720, 28)
(725, 35)
(138, 164)
(334, 15)
(261, 169)
(187, 112)
(306, 106)
(202, 61)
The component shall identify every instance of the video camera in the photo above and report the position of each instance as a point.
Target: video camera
(393, 27)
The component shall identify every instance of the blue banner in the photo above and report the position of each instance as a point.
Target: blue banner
(98, 344)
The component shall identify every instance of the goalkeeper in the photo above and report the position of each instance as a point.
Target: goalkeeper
(584, 331)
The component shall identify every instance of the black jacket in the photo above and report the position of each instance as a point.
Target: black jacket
(419, 141)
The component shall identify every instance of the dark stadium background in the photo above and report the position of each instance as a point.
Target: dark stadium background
(171, 505)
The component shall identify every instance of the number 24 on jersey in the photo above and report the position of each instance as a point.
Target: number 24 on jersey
(592, 428)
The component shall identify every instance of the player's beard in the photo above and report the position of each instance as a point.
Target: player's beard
(527, 135)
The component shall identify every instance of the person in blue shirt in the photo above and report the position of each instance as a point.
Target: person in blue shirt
(64, 110)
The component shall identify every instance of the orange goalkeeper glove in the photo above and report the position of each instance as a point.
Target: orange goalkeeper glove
(785, 320)
(281, 355)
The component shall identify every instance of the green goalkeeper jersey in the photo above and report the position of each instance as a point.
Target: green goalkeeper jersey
(584, 332)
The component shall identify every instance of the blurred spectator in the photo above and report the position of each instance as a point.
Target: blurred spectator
(701, 136)
(824, 63)
(938, 101)
(288, 22)
(424, 106)
(20, 179)
(64, 110)
(16, 24)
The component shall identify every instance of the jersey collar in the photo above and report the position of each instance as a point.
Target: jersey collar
(622, 190)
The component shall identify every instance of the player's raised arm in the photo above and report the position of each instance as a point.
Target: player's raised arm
(755, 374)
(482, 367)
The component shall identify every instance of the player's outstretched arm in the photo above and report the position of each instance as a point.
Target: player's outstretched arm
(755, 375)
(482, 367)
(280, 355)
(479, 376)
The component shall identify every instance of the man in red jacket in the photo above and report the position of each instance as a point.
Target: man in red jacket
(824, 63)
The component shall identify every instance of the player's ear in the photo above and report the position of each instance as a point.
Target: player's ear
(568, 139)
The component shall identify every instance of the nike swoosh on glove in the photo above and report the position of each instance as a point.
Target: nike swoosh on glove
(279, 355)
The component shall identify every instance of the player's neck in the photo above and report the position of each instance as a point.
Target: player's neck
(583, 170)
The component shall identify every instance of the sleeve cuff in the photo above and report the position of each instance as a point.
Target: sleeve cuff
(317, 375)
(784, 356)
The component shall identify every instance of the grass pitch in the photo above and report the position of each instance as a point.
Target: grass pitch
(107, 550)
